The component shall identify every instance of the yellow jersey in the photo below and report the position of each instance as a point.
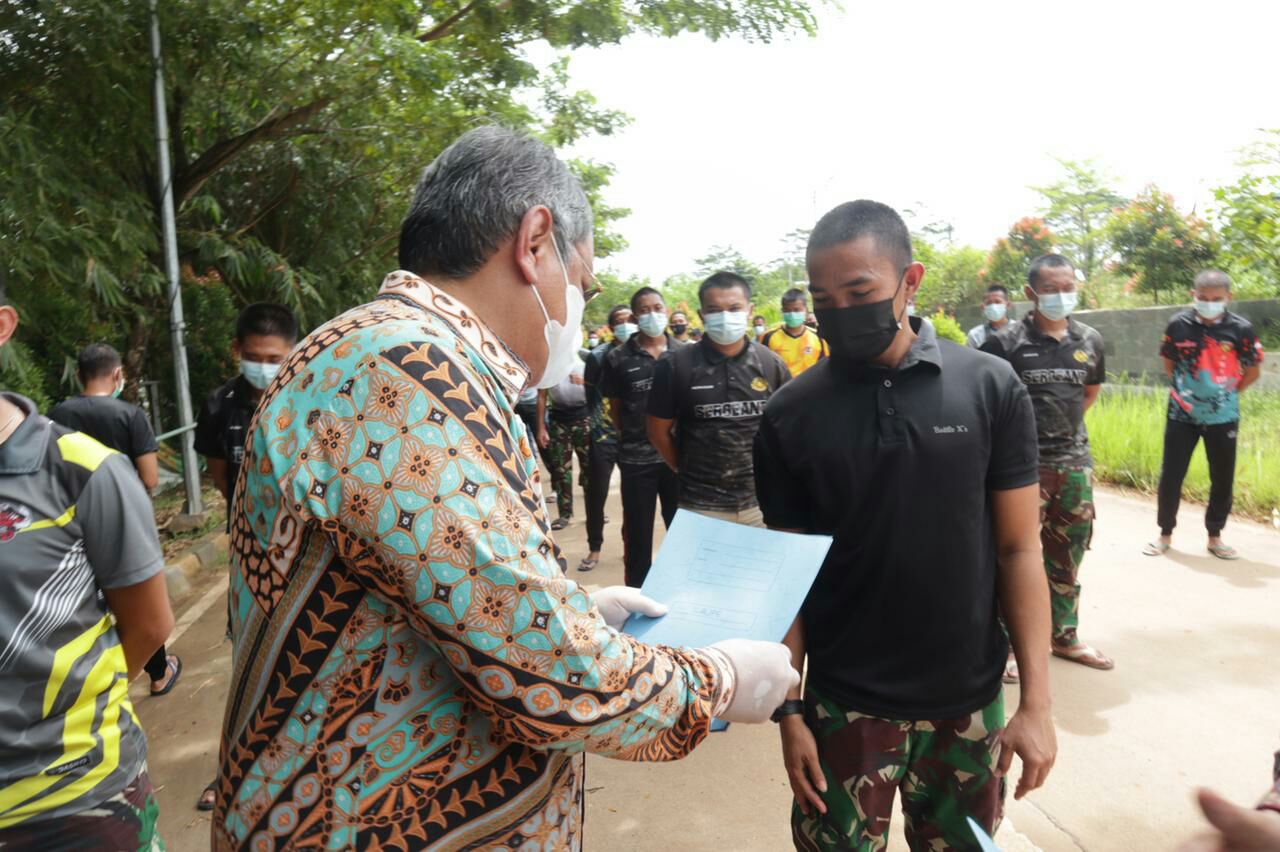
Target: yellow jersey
(798, 353)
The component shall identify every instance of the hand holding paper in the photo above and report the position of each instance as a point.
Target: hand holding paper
(617, 603)
(763, 678)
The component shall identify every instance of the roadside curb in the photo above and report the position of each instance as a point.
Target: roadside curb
(182, 571)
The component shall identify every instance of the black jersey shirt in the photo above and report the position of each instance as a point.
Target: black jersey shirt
(1055, 373)
(716, 402)
(899, 466)
(628, 377)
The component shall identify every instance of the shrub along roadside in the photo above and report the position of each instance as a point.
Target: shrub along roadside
(1126, 429)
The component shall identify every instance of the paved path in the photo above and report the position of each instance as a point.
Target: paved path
(1195, 699)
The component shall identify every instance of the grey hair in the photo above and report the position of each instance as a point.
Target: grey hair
(475, 194)
(1212, 278)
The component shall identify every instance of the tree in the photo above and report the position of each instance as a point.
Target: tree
(953, 276)
(1161, 248)
(1010, 258)
(297, 127)
(1248, 214)
(1078, 208)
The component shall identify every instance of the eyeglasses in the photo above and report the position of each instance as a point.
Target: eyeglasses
(588, 293)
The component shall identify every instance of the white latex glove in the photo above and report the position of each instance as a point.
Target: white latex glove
(764, 676)
(616, 603)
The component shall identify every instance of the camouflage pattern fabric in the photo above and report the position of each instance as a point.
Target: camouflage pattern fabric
(944, 770)
(126, 821)
(567, 438)
(1066, 528)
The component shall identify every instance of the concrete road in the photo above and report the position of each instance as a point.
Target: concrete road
(1194, 700)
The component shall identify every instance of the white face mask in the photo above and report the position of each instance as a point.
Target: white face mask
(562, 340)
(1056, 306)
(995, 311)
(623, 331)
(653, 324)
(258, 374)
(726, 327)
(1210, 310)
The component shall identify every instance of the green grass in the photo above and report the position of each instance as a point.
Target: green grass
(1126, 429)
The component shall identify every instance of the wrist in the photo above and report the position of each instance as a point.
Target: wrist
(791, 722)
(792, 708)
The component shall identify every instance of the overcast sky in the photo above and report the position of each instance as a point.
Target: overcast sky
(959, 107)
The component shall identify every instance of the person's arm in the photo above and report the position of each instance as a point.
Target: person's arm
(661, 414)
(611, 390)
(148, 468)
(1249, 376)
(122, 548)
(1097, 375)
(541, 435)
(1168, 367)
(1091, 393)
(208, 443)
(1251, 360)
(481, 566)
(217, 468)
(1024, 602)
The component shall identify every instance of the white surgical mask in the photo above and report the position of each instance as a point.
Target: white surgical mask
(911, 309)
(654, 324)
(562, 340)
(726, 327)
(258, 373)
(1056, 306)
(593, 342)
(624, 331)
(995, 311)
(1210, 310)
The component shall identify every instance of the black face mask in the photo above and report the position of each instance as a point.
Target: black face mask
(679, 329)
(859, 333)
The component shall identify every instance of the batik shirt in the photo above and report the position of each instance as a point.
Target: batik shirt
(412, 669)
(1209, 359)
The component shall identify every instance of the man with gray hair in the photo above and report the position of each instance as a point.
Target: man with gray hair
(412, 667)
(1210, 355)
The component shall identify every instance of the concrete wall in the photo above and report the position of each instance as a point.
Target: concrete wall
(1133, 336)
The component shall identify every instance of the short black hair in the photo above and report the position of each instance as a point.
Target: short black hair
(614, 311)
(1212, 278)
(998, 288)
(97, 360)
(1046, 261)
(724, 281)
(795, 294)
(264, 319)
(855, 219)
(641, 293)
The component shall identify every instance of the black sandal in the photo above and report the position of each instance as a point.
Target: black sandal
(174, 662)
(208, 797)
(559, 524)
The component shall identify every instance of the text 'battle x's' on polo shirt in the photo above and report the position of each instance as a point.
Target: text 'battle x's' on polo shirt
(717, 402)
(898, 466)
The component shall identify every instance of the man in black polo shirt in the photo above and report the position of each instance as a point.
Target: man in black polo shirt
(707, 401)
(626, 380)
(919, 457)
(265, 334)
(1063, 365)
(99, 413)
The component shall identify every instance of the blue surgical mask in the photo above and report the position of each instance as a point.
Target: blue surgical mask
(623, 332)
(258, 373)
(1056, 306)
(1210, 310)
(995, 311)
(115, 394)
(726, 327)
(653, 324)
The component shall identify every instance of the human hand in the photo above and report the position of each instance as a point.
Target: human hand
(616, 603)
(1029, 735)
(1238, 829)
(800, 757)
(542, 438)
(575, 379)
(764, 676)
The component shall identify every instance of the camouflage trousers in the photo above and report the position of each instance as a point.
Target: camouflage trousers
(566, 439)
(1066, 528)
(944, 769)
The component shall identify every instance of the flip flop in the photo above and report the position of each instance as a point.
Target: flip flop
(208, 797)
(559, 523)
(174, 662)
(1224, 551)
(1010, 671)
(587, 564)
(1156, 548)
(1085, 655)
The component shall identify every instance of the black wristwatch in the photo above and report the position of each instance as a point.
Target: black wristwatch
(794, 707)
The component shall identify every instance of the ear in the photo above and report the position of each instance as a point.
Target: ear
(534, 237)
(8, 323)
(235, 349)
(912, 278)
(1030, 293)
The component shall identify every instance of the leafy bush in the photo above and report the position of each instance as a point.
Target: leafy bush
(948, 328)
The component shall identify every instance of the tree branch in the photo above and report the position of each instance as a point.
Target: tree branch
(279, 122)
(446, 26)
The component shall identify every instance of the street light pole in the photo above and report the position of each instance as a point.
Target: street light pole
(190, 469)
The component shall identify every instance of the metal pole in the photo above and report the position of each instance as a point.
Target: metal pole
(190, 468)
